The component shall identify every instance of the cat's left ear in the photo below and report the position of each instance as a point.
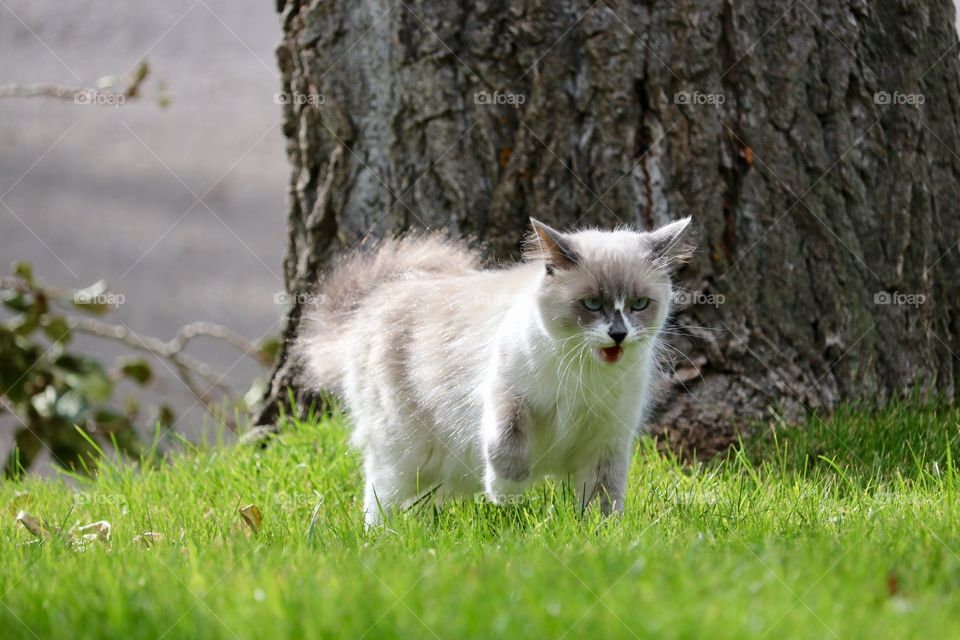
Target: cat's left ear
(671, 244)
(551, 245)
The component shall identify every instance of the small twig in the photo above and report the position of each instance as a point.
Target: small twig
(212, 330)
(49, 90)
(16, 90)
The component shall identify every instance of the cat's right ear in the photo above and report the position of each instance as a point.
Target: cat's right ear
(671, 244)
(551, 245)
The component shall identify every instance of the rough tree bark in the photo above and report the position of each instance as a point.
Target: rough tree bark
(764, 119)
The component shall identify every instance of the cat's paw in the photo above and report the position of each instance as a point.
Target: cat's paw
(503, 491)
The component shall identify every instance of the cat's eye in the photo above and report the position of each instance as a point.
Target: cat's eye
(591, 304)
(640, 304)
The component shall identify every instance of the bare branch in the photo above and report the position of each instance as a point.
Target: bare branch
(48, 90)
(212, 330)
(187, 367)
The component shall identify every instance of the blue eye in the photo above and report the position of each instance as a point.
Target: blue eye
(640, 304)
(591, 304)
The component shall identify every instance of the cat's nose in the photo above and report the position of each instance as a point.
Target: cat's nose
(617, 334)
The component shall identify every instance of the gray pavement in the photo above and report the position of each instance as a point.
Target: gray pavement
(180, 209)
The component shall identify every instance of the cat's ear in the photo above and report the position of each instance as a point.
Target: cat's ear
(671, 244)
(551, 245)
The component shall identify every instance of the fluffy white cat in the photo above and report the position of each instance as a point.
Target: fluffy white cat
(460, 379)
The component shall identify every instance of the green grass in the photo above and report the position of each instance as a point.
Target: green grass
(842, 529)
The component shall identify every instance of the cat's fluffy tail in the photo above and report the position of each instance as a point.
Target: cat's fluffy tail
(356, 276)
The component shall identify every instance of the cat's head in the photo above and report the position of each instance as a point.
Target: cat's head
(608, 290)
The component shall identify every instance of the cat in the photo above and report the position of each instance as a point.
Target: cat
(460, 380)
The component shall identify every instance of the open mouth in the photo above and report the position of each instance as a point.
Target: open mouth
(611, 354)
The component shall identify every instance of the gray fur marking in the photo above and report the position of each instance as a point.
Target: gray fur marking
(508, 453)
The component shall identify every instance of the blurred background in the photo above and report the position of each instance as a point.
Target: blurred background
(175, 198)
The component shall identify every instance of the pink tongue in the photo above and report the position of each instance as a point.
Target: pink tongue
(611, 354)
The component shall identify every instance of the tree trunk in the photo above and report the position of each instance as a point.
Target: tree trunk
(814, 142)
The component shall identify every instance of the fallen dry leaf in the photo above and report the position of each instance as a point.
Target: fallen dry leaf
(33, 525)
(148, 539)
(80, 536)
(95, 531)
(893, 584)
(251, 517)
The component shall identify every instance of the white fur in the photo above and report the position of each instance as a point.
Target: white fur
(426, 362)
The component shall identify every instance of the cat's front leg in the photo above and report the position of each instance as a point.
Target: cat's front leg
(506, 448)
(606, 480)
